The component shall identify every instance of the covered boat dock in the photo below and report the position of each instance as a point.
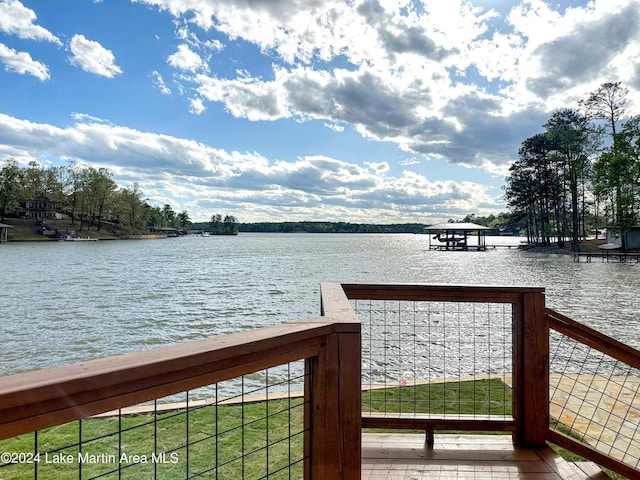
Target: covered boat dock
(456, 236)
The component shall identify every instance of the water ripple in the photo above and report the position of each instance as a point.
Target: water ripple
(65, 303)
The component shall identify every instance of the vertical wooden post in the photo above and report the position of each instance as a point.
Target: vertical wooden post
(531, 371)
(334, 440)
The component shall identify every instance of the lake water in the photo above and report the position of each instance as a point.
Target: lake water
(66, 302)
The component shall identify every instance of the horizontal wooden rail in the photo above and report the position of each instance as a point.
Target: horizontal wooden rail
(417, 421)
(593, 338)
(35, 400)
(453, 293)
(591, 454)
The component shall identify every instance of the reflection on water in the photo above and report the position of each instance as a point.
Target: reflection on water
(65, 302)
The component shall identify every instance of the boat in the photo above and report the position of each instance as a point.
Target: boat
(77, 239)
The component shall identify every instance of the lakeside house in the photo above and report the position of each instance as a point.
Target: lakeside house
(615, 238)
(40, 209)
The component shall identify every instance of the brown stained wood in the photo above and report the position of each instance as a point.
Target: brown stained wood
(331, 445)
(67, 408)
(335, 434)
(570, 471)
(535, 401)
(35, 400)
(462, 457)
(431, 422)
(316, 424)
(350, 403)
(454, 293)
(593, 338)
(591, 453)
(331, 348)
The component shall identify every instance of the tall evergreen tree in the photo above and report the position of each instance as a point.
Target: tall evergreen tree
(575, 141)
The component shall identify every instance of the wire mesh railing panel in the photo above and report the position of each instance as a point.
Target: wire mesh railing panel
(254, 430)
(594, 399)
(433, 357)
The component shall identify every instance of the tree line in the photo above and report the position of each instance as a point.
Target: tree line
(88, 196)
(329, 227)
(218, 225)
(580, 174)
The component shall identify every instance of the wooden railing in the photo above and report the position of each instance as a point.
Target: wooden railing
(533, 328)
(331, 348)
(35, 400)
(606, 387)
(530, 354)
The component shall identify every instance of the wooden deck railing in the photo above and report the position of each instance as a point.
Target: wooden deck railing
(614, 377)
(596, 397)
(530, 354)
(331, 347)
(35, 400)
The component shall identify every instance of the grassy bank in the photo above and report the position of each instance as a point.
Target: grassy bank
(26, 230)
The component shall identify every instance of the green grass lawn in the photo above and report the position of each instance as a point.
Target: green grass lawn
(27, 230)
(239, 441)
(247, 440)
(482, 397)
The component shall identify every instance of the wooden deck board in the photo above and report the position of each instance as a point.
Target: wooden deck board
(462, 457)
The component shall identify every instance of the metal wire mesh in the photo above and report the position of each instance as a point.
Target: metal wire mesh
(256, 433)
(432, 357)
(595, 398)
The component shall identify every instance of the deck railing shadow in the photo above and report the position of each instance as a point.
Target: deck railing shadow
(428, 357)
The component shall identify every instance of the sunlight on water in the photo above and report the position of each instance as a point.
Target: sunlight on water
(66, 302)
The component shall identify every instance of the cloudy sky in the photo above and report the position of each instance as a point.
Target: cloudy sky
(356, 110)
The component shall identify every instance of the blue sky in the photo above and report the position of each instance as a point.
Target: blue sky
(364, 110)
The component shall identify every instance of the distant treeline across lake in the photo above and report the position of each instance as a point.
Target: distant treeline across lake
(330, 227)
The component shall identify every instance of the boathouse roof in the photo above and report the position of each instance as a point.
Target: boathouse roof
(462, 226)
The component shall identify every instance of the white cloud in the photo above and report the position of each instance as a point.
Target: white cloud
(334, 126)
(22, 63)
(437, 78)
(378, 167)
(245, 97)
(196, 106)
(93, 57)
(158, 82)
(84, 117)
(16, 19)
(186, 59)
(191, 174)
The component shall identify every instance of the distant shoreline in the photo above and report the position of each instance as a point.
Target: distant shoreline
(27, 230)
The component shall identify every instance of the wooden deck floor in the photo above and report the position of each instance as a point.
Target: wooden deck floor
(462, 457)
